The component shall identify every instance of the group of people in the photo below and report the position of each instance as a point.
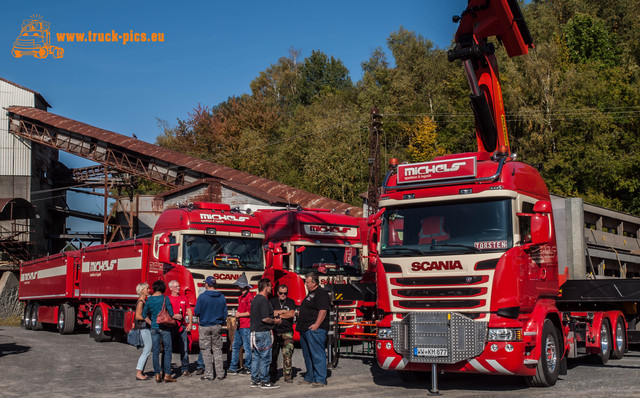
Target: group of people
(264, 329)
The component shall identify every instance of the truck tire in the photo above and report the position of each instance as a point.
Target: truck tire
(97, 327)
(35, 324)
(621, 340)
(548, 367)
(66, 319)
(26, 322)
(606, 343)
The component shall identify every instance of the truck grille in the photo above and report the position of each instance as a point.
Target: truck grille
(438, 337)
(463, 293)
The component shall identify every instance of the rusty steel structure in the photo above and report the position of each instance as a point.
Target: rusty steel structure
(123, 161)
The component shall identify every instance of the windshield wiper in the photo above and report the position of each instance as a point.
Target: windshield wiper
(472, 248)
(402, 249)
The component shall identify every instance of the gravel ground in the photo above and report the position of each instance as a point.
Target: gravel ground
(44, 363)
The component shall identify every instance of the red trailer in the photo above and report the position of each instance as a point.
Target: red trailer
(96, 286)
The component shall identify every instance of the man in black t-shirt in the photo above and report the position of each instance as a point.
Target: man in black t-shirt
(284, 308)
(262, 322)
(313, 325)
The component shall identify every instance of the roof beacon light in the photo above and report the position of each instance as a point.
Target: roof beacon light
(393, 162)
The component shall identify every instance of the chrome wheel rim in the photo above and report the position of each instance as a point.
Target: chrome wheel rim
(60, 318)
(604, 338)
(620, 336)
(97, 324)
(551, 353)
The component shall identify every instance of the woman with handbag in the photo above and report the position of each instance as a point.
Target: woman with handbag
(159, 304)
(143, 325)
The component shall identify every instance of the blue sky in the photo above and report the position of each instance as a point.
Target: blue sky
(212, 50)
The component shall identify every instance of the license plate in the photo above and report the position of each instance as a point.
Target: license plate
(430, 352)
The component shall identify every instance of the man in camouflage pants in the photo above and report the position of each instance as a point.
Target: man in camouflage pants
(283, 308)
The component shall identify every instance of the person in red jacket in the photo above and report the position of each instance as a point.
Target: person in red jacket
(181, 308)
(242, 337)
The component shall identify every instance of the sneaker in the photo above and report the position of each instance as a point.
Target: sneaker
(254, 384)
(233, 372)
(224, 376)
(269, 385)
(210, 378)
(316, 384)
(199, 371)
(303, 381)
(186, 373)
(244, 372)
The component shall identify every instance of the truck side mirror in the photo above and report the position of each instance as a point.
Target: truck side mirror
(164, 252)
(540, 229)
(374, 219)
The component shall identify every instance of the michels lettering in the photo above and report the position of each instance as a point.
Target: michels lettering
(29, 276)
(433, 169)
(436, 265)
(105, 265)
(222, 217)
(328, 229)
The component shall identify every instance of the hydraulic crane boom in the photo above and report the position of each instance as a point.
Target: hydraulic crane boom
(479, 21)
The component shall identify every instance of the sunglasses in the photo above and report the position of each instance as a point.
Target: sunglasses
(282, 293)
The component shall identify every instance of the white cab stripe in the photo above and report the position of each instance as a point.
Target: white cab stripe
(130, 263)
(496, 365)
(51, 272)
(477, 366)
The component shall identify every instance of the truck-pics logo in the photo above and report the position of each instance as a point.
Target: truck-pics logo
(436, 265)
(330, 230)
(222, 218)
(437, 170)
(35, 39)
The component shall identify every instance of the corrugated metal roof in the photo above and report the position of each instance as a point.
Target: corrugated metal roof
(28, 89)
(240, 179)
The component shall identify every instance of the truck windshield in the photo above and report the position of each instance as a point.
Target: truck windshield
(327, 260)
(451, 228)
(222, 252)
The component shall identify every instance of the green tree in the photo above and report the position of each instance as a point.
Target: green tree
(320, 73)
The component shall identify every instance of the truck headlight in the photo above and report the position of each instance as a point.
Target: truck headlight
(504, 334)
(384, 333)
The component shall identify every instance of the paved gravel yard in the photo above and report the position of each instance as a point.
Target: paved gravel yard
(44, 363)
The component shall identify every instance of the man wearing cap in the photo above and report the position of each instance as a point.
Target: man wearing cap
(242, 336)
(262, 323)
(211, 309)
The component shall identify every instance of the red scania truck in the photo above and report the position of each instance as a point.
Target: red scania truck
(465, 250)
(96, 286)
(301, 240)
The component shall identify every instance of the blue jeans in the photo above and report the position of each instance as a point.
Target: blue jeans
(242, 338)
(148, 344)
(313, 346)
(161, 336)
(261, 357)
(183, 347)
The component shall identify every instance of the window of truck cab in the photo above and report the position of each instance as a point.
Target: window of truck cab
(222, 252)
(452, 227)
(329, 260)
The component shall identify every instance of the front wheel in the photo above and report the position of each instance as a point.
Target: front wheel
(548, 368)
(621, 340)
(97, 327)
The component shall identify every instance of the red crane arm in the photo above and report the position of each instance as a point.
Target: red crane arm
(481, 20)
